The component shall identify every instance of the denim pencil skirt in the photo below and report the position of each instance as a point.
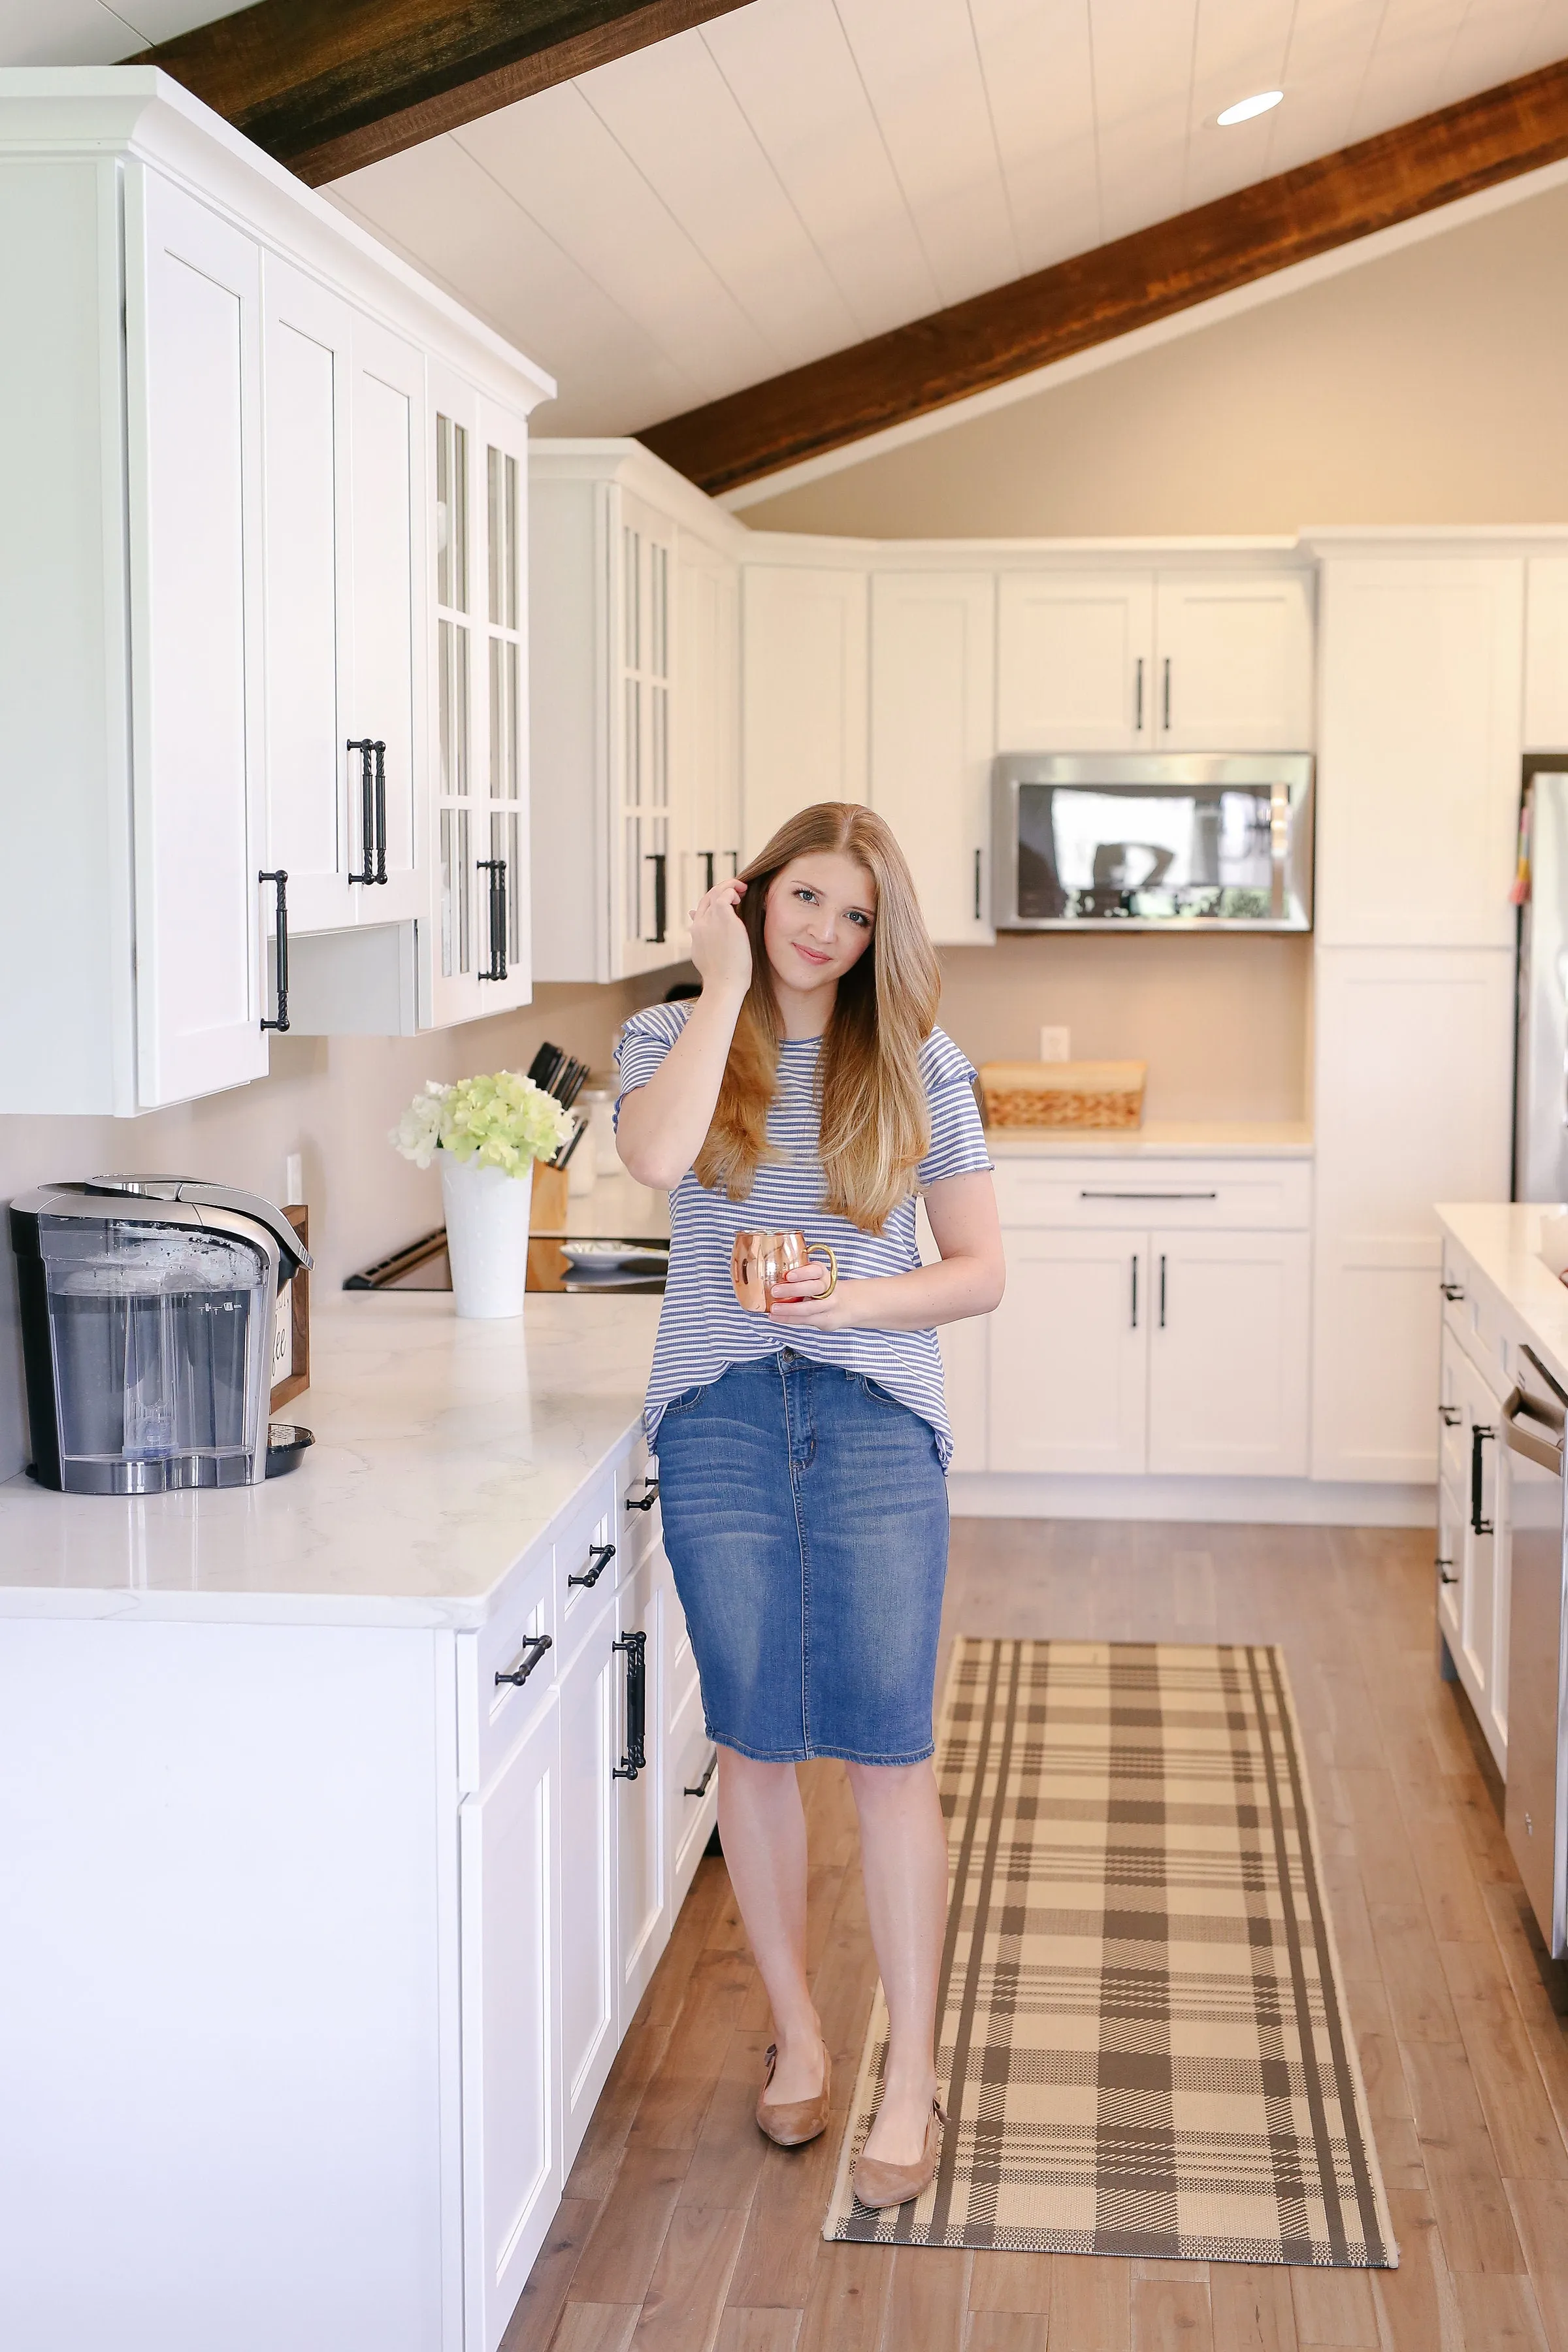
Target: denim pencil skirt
(806, 1520)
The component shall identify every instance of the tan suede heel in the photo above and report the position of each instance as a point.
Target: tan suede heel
(877, 2185)
(790, 2123)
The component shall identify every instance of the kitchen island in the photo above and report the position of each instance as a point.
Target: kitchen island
(333, 1872)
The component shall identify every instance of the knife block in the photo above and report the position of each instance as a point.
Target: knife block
(548, 1214)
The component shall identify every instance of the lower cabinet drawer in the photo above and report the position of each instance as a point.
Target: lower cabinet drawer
(506, 1670)
(590, 1557)
(1222, 1193)
(637, 1485)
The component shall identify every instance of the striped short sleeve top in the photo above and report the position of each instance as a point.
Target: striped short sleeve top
(703, 1329)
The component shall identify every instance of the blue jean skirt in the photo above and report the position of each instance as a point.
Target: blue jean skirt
(806, 1520)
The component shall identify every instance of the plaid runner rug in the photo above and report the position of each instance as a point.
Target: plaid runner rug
(1142, 2032)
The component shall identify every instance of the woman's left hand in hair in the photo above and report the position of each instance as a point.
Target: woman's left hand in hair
(810, 1295)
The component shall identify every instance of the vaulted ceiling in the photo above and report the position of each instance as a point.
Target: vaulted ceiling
(795, 177)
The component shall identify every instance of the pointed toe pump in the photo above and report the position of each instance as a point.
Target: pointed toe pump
(877, 2185)
(790, 2123)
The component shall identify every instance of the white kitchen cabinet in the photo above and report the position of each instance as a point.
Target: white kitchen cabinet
(642, 1884)
(611, 830)
(933, 735)
(1233, 662)
(1069, 1353)
(1418, 773)
(1227, 1354)
(804, 641)
(706, 747)
(385, 702)
(1546, 653)
(510, 1862)
(476, 955)
(1413, 1083)
(1075, 655)
(1474, 1487)
(590, 1687)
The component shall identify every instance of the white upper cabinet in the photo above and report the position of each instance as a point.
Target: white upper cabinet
(1212, 660)
(231, 379)
(933, 735)
(804, 693)
(633, 741)
(194, 440)
(1418, 775)
(1546, 653)
(1233, 662)
(707, 750)
(1075, 661)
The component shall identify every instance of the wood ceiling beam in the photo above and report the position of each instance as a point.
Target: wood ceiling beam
(995, 337)
(326, 86)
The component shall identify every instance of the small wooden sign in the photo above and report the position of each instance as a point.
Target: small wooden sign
(292, 1325)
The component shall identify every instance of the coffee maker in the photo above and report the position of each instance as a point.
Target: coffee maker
(147, 1306)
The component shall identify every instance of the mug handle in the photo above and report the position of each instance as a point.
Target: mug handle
(825, 1249)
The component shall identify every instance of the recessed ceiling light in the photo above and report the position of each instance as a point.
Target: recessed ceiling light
(1246, 108)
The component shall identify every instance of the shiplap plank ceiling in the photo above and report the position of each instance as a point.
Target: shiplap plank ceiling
(799, 174)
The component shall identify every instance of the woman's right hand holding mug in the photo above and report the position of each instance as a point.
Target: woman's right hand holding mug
(720, 947)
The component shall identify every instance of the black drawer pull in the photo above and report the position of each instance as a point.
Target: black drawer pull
(635, 1648)
(279, 878)
(1446, 1571)
(496, 868)
(600, 1555)
(1478, 1436)
(1452, 1290)
(1450, 1415)
(533, 1650)
(647, 1499)
(701, 1788)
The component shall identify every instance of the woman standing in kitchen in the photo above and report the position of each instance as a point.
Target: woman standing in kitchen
(802, 1443)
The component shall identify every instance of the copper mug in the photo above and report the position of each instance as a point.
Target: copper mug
(759, 1260)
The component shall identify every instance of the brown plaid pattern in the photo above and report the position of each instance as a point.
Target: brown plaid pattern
(1141, 2029)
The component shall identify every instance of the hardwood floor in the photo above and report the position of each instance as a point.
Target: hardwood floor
(682, 2229)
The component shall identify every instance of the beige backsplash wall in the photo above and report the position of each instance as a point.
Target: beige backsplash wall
(1424, 387)
(1222, 1023)
(332, 1100)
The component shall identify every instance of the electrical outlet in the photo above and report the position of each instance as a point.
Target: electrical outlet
(1056, 1044)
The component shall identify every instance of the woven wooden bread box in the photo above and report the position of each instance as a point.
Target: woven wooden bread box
(1104, 1095)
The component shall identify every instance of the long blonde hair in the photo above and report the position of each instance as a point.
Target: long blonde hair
(876, 1126)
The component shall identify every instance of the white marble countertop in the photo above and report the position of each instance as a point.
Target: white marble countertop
(443, 1450)
(1161, 1139)
(1503, 1239)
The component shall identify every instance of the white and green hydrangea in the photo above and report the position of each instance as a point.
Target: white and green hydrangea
(499, 1121)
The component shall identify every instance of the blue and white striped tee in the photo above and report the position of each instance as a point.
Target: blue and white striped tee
(703, 1329)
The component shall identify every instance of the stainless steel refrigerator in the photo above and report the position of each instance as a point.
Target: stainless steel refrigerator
(1541, 1047)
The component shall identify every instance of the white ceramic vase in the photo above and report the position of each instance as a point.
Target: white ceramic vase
(486, 1235)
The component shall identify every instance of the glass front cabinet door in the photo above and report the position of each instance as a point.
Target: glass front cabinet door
(475, 957)
(645, 868)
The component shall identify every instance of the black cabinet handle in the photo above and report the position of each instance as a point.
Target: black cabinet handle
(1134, 1290)
(707, 858)
(658, 860)
(1446, 1571)
(1452, 1290)
(496, 868)
(1161, 1290)
(1138, 699)
(366, 748)
(280, 880)
(1449, 1415)
(533, 1650)
(634, 1647)
(701, 1788)
(380, 751)
(600, 1555)
(977, 886)
(647, 1499)
(1478, 1436)
(734, 858)
(1166, 689)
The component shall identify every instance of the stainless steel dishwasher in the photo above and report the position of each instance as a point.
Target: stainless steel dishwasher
(1536, 1810)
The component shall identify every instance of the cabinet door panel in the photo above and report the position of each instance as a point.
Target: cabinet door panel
(195, 479)
(707, 720)
(1227, 1354)
(643, 1896)
(691, 1791)
(305, 373)
(1234, 664)
(1418, 779)
(1546, 653)
(933, 736)
(387, 489)
(803, 694)
(652, 927)
(1075, 661)
(510, 1871)
(589, 1723)
(1069, 1353)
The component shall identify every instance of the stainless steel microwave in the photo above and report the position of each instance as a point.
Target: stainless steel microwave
(1152, 841)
